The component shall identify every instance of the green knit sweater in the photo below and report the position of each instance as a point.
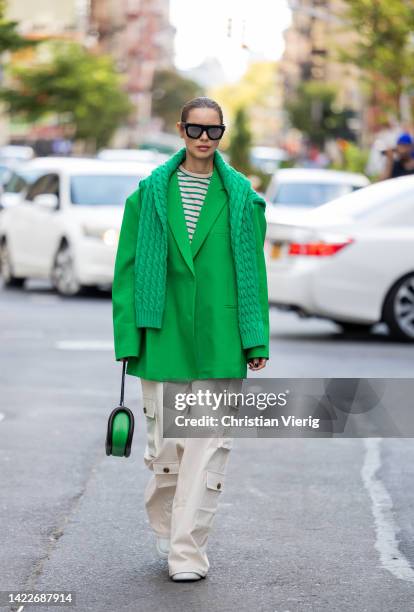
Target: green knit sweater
(151, 251)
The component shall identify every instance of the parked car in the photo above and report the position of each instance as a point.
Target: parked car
(350, 260)
(22, 175)
(5, 172)
(140, 155)
(16, 153)
(15, 186)
(267, 159)
(294, 191)
(10, 157)
(66, 228)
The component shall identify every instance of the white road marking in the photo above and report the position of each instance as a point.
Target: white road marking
(1, 416)
(382, 509)
(84, 345)
(20, 609)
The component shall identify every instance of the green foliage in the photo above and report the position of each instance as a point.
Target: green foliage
(354, 159)
(384, 48)
(81, 87)
(240, 143)
(313, 113)
(10, 39)
(170, 92)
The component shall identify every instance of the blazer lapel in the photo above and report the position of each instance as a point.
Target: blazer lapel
(176, 221)
(215, 199)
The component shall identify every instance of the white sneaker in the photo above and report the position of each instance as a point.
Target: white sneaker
(186, 576)
(163, 547)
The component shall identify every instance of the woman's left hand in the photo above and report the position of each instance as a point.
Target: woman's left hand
(257, 363)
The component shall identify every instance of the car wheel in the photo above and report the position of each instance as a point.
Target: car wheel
(6, 268)
(63, 274)
(398, 311)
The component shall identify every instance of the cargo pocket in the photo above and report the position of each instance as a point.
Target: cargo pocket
(214, 485)
(166, 473)
(149, 410)
(214, 482)
(226, 443)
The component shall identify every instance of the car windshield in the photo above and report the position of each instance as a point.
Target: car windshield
(19, 180)
(366, 201)
(4, 173)
(309, 194)
(102, 189)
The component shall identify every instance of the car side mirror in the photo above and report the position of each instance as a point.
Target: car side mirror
(46, 200)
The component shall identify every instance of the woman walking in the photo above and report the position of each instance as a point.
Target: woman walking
(190, 313)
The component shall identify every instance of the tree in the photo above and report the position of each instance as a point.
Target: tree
(170, 92)
(10, 39)
(83, 89)
(313, 113)
(240, 142)
(258, 92)
(384, 48)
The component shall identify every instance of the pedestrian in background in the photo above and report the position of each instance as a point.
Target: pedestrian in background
(190, 313)
(400, 160)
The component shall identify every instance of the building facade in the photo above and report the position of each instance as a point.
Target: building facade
(139, 35)
(313, 42)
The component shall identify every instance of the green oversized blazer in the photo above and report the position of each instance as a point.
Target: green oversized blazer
(199, 337)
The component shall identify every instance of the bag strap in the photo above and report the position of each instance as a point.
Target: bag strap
(121, 402)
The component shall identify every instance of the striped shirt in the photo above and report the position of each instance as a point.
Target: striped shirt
(193, 189)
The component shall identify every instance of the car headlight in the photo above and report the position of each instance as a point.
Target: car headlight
(108, 236)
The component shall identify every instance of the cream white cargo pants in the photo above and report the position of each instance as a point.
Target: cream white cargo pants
(188, 475)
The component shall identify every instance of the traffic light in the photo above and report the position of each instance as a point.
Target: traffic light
(229, 26)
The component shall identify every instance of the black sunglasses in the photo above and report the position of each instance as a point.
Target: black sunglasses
(194, 130)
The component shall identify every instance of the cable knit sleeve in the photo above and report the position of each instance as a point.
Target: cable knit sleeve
(260, 232)
(127, 337)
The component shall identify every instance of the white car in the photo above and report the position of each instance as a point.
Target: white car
(138, 155)
(267, 159)
(19, 180)
(66, 228)
(350, 260)
(17, 152)
(294, 191)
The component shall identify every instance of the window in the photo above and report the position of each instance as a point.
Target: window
(21, 180)
(385, 201)
(15, 184)
(310, 194)
(38, 187)
(102, 189)
(48, 183)
(53, 185)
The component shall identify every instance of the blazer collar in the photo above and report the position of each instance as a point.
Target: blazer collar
(215, 199)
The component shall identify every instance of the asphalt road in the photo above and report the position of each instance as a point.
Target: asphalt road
(303, 525)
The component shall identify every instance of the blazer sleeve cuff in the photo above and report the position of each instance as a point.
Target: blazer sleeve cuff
(127, 341)
(257, 351)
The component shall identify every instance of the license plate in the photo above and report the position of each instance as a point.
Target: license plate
(276, 250)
